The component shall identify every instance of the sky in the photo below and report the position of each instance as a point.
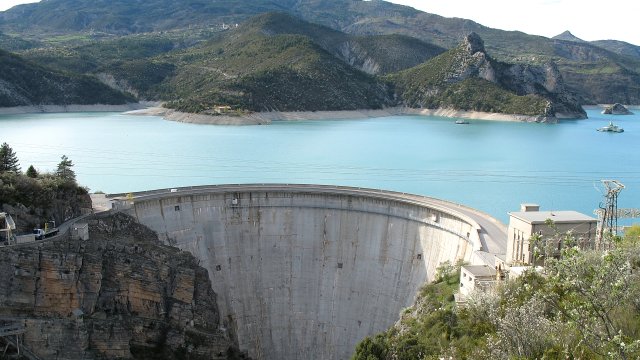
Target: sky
(588, 20)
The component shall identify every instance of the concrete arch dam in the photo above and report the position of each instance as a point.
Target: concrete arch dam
(305, 271)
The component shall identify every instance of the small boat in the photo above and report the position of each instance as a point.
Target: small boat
(611, 128)
(461, 121)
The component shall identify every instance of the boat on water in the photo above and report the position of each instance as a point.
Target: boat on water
(611, 128)
(462, 121)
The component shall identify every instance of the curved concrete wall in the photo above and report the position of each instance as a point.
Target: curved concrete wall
(306, 272)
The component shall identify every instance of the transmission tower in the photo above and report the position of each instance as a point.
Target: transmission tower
(608, 223)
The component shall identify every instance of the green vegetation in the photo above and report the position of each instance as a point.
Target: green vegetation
(64, 171)
(72, 23)
(25, 83)
(8, 159)
(257, 72)
(451, 80)
(602, 82)
(393, 53)
(433, 326)
(33, 198)
(585, 305)
(477, 94)
(278, 62)
(32, 172)
(15, 43)
(632, 235)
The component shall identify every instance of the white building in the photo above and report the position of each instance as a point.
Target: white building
(474, 277)
(530, 233)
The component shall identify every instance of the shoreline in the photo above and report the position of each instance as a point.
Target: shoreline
(38, 109)
(265, 118)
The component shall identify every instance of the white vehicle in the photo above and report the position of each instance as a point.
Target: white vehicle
(50, 229)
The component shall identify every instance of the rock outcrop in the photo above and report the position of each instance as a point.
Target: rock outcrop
(120, 294)
(617, 109)
(453, 80)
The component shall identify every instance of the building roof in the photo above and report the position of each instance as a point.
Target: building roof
(480, 270)
(540, 217)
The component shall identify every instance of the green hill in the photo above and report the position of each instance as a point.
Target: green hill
(466, 78)
(254, 69)
(25, 83)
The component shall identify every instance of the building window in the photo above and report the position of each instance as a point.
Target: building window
(339, 265)
(177, 208)
(419, 257)
(218, 267)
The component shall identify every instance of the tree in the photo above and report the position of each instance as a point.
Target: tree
(64, 169)
(8, 159)
(32, 172)
(596, 294)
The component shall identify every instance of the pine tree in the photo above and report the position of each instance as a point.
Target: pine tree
(8, 159)
(64, 169)
(32, 172)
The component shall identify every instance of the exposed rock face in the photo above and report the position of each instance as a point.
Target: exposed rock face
(358, 57)
(119, 295)
(470, 60)
(617, 109)
(473, 43)
(546, 81)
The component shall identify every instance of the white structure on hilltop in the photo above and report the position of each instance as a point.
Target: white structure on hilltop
(534, 232)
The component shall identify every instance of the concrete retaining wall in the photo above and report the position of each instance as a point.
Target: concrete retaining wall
(304, 274)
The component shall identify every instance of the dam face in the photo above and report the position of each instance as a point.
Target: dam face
(305, 272)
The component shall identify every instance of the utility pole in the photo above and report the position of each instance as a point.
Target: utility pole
(608, 214)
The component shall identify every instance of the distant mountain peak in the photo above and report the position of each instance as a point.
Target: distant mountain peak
(568, 36)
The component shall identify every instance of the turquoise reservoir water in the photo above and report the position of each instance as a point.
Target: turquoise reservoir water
(492, 166)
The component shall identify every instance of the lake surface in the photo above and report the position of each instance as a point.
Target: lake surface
(492, 166)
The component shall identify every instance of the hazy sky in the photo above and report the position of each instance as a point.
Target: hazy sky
(589, 20)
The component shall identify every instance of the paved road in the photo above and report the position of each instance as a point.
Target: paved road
(63, 230)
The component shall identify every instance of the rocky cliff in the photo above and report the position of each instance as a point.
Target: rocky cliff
(467, 78)
(120, 294)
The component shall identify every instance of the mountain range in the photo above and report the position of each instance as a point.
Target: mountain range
(197, 52)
